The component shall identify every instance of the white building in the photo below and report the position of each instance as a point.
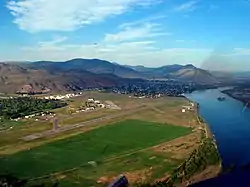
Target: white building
(97, 102)
(187, 107)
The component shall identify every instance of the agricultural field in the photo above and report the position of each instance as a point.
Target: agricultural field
(7, 124)
(145, 140)
(112, 140)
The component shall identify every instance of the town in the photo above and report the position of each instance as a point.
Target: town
(156, 88)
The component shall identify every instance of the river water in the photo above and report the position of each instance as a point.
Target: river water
(230, 124)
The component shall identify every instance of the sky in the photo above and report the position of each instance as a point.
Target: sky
(207, 33)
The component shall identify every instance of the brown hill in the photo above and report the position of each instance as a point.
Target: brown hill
(188, 73)
(95, 66)
(14, 78)
(196, 75)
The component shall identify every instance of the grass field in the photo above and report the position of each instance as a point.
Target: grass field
(119, 145)
(170, 107)
(96, 145)
(140, 166)
(5, 124)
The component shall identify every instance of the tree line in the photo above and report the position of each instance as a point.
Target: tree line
(22, 106)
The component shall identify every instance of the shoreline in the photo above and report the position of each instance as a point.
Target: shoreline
(208, 132)
(203, 123)
(201, 120)
(244, 101)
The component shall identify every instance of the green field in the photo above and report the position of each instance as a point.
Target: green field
(96, 145)
(5, 124)
(139, 161)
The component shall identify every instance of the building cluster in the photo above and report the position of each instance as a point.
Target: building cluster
(154, 89)
(187, 107)
(94, 103)
(67, 96)
(41, 115)
(89, 105)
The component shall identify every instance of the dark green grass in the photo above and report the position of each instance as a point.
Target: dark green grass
(88, 175)
(5, 124)
(129, 163)
(95, 145)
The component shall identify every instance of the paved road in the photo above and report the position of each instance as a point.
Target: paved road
(82, 124)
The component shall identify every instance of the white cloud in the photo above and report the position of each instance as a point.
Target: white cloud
(131, 53)
(64, 15)
(186, 7)
(241, 51)
(238, 52)
(141, 21)
(56, 40)
(147, 30)
(48, 45)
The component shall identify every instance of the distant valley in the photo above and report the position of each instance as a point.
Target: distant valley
(187, 72)
(77, 74)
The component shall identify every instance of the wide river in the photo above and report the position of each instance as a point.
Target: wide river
(230, 124)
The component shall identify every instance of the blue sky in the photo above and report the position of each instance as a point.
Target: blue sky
(145, 32)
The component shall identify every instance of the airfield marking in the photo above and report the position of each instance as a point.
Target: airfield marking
(82, 124)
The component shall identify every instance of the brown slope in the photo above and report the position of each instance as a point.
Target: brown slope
(95, 66)
(195, 75)
(14, 78)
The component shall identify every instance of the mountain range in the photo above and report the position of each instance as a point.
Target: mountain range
(15, 78)
(77, 74)
(184, 73)
(187, 72)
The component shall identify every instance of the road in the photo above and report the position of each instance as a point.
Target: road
(82, 124)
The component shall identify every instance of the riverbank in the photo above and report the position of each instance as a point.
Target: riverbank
(238, 95)
(209, 135)
(229, 122)
(202, 164)
(212, 170)
(201, 121)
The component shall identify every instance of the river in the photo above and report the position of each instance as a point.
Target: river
(229, 123)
